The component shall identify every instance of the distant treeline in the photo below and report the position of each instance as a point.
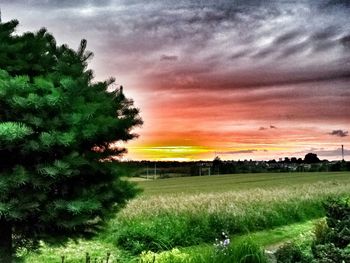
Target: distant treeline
(160, 169)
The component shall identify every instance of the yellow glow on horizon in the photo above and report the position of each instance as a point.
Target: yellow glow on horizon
(194, 152)
(167, 153)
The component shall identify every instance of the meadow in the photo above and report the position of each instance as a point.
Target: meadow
(192, 211)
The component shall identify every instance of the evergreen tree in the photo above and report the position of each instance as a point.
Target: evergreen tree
(57, 134)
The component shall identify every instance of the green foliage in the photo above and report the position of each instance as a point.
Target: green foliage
(166, 233)
(174, 255)
(57, 129)
(334, 243)
(329, 253)
(246, 251)
(99, 246)
(73, 252)
(13, 132)
(338, 221)
(158, 221)
(331, 240)
(184, 229)
(292, 253)
(321, 232)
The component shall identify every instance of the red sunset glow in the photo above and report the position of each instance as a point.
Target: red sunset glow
(237, 79)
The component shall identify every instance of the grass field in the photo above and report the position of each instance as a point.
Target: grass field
(193, 210)
(182, 212)
(237, 182)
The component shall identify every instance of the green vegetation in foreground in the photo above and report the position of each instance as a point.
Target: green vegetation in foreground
(74, 252)
(98, 248)
(331, 240)
(246, 251)
(175, 216)
(161, 217)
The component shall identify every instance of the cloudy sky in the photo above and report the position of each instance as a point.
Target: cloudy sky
(245, 79)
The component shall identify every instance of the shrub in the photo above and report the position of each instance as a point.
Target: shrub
(321, 232)
(291, 253)
(338, 221)
(332, 238)
(329, 253)
(332, 244)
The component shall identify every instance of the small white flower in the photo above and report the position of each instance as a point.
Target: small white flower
(226, 242)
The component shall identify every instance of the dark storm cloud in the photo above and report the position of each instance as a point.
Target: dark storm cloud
(226, 44)
(345, 41)
(59, 3)
(240, 54)
(287, 37)
(253, 78)
(336, 3)
(339, 133)
(265, 52)
(324, 33)
(294, 49)
(168, 58)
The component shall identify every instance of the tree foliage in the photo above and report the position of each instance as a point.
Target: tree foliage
(311, 158)
(57, 134)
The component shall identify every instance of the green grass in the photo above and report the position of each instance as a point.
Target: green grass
(97, 248)
(187, 212)
(245, 251)
(272, 238)
(74, 252)
(234, 182)
(240, 246)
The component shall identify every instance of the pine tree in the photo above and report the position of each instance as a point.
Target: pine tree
(57, 134)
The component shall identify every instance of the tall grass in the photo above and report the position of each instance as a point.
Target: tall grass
(189, 211)
(245, 251)
(161, 222)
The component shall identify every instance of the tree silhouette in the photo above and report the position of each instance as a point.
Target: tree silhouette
(311, 158)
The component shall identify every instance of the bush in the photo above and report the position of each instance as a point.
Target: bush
(338, 221)
(321, 232)
(291, 253)
(329, 253)
(331, 243)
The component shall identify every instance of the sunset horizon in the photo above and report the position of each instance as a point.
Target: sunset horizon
(234, 79)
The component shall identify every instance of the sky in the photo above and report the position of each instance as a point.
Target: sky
(238, 79)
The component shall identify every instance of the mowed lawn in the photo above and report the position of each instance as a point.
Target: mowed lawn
(235, 182)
